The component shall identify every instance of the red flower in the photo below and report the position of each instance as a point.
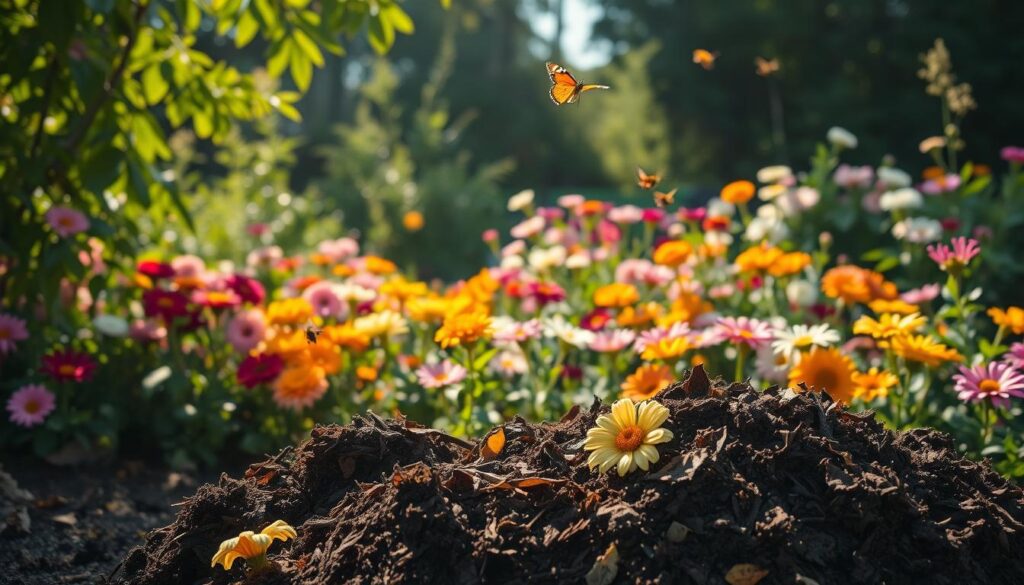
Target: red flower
(546, 292)
(258, 369)
(571, 372)
(169, 305)
(68, 365)
(154, 269)
(596, 319)
(249, 289)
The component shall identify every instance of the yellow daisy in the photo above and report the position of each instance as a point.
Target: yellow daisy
(889, 325)
(625, 438)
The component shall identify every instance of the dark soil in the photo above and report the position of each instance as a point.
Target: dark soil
(796, 487)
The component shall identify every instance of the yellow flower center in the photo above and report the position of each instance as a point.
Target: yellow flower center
(989, 385)
(746, 333)
(780, 360)
(803, 341)
(629, 438)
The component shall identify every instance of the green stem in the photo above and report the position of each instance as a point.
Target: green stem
(741, 353)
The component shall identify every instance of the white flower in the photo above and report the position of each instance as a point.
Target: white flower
(718, 208)
(801, 293)
(774, 174)
(905, 198)
(353, 293)
(917, 230)
(771, 192)
(842, 137)
(559, 328)
(790, 342)
(768, 228)
(509, 362)
(512, 262)
(577, 260)
(111, 325)
(892, 177)
(544, 258)
(520, 200)
(718, 238)
(770, 366)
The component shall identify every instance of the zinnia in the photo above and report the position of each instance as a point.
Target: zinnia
(68, 365)
(738, 192)
(30, 405)
(299, 386)
(258, 369)
(625, 438)
(12, 330)
(246, 330)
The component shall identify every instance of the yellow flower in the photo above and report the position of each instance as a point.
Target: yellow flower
(873, 384)
(289, 312)
(738, 192)
(758, 258)
(430, 309)
(854, 284)
(825, 369)
(402, 289)
(378, 265)
(902, 307)
(616, 295)
(480, 288)
(463, 329)
(640, 315)
(789, 264)
(647, 381)
(889, 325)
(384, 323)
(287, 343)
(666, 349)
(685, 308)
(413, 221)
(347, 336)
(252, 547)
(1011, 317)
(673, 253)
(922, 348)
(625, 438)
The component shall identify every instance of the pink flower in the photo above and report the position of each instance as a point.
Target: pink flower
(917, 296)
(612, 341)
(697, 214)
(955, 259)
(544, 292)
(1013, 154)
(30, 405)
(12, 330)
(246, 330)
(626, 214)
(507, 330)
(551, 214)
(339, 250)
(996, 382)
(265, 257)
(1015, 355)
(513, 248)
(608, 232)
(490, 236)
(257, 229)
(851, 177)
(439, 375)
(324, 300)
(596, 319)
(982, 232)
(744, 330)
(528, 227)
(248, 289)
(652, 336)
(188, 266)
(66, 221)
(941, 185)
(653, 215)
(571, 201)
(155, 269)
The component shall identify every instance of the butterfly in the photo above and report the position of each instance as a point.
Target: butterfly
(564, 87)
(766, 67)
(705, 58)
(665, 199)
(646, 181)
(312, 333)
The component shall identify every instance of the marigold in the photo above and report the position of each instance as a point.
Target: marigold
(854, 284)
(647, 381)
(616, 295)
(789, 264)
(672, 253)
(922, 348)
(825, 369)
(898, 306)
(378, 265)
(738, 192)
(463, 329)
(873, 384)
(295, 311)
(626, 437)
(299, 386)
(1010, 317)
(758, 258)
(889, 325)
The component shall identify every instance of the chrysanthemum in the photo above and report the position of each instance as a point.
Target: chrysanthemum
(789, 264)
(646, 381)
(299, 386)
(251, 546)
(996, 382)
(800, 338)
(626, 437)
(743, 330)
(441, 374)
(825, 369)
(259, 369)
(464, 329)
(922, 348)
(246, 330)
(12, 330)
(30, 405)
(612, 341)
(169, 305)
(954, 259)
(873, 384)
(68, 365)
(66, 221)
(325, 355)
(1010, 317)
(640, 315)
(889, 325)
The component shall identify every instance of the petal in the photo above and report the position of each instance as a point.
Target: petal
(608, 463)
(652, 415)
(599, 433)
(650, 452)
(608, 423)
(593, 443)
(601, 456)
(640, 459)
(626, 464)
(624, 413)
(279, 530)
(658, 436)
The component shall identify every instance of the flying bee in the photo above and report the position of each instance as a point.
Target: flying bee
(665, 199)
(312, 333)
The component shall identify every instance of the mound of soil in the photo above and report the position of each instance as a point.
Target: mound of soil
(754, 485)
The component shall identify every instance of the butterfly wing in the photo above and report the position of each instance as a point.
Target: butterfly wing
(564, 87)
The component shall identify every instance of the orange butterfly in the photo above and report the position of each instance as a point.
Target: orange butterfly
(564, 87)
(705, 58)
(665, 199)
(766, 67)
(646, 181)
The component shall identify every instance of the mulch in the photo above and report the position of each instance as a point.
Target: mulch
(755, 485)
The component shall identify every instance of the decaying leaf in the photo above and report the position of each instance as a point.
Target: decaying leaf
(494, 444)
(417, 473)
(605, 568)
(745, 574)
(677, 532)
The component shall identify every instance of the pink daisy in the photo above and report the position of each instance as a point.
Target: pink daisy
(445, 373)
(508, 330)
(626, 214)
(339, 250)
(528, 228)
(652, 336)
(571, 201)
(30, 405)
(917, 296)
(743, 330)
(66, 221)
(957, 257)
(246, 330)
(324, 300)
(612, 341)
(12, 330)
(1015, 355)
(997, 382)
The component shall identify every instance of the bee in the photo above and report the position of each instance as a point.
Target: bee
(312, 333)
(646, 180)
(665, 199)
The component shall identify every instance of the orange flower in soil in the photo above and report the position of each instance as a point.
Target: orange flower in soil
(673, 253)
(825, 370)
(412, 221)
(789, 264)
(463, 329)
(299, 386)
(758, 258)
(738, 192)
(616, 295)
(1010, 317)
(647, 381)
(854, 284)
(378, 265)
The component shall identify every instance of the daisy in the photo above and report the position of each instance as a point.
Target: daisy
(799, 338)
(1015, 355)
(568, 333)
(744, 330)
(439, 375)
(626, 437)
(612, 341)
(30, 405)
(995, 381)
(889, 325)
(12, 330)
(521, 200)
(510, 363)
(771, 366)
(873, 384)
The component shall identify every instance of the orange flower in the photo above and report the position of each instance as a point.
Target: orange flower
(758, 258)
(343, 270)
(738, 192)
(299, 386)
(591, 207)
(685, 308)
(854, 284)
(366, 373)
(402, 289)
(897, 306)
(789, 264)
(713, 223)
(616, 295)
(825, 370)
(673, 253)
(289, 312)
(318, 259)
(287, 344)
(325, 355)
(347, 336)
(302, 283)
(932, 173)
(463, 329)
(639, 316)
(647, 381)
(1010, 317)
(413, 221)
(378, 265)
(429, 309)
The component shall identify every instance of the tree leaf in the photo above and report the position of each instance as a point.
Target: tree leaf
(246, 29)
(493, 445)
(154, 86)
(745, 574)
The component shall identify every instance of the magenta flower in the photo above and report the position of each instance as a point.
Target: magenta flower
(743, 330)
(439, 375)
(12, 330)
(68, 365)
(697, 214)
(30, 405)
(551, 214)
(996, 382)
(612, 341)
(1013, 154)
(1015, 355)
(246, 330)
(956, 258)
(66, 221)
(248, 289)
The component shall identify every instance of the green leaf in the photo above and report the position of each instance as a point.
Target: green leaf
(399, 19)
(138, 183)
(101, 168)
(154, 86)
(148, 139)
(301, 69)
(887, 263)
(966, 171)
(246, 29)
(481, 360)
(306, 44)
(977, 185)
(279, 56)
(382, 34)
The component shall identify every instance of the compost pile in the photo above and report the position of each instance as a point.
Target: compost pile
(788, 489)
